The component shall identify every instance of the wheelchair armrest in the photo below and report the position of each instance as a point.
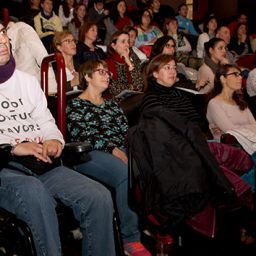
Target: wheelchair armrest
(75, 153)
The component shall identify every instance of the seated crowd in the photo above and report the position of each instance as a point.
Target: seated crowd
(127, 64)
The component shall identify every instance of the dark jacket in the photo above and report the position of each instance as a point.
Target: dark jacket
(180, 175)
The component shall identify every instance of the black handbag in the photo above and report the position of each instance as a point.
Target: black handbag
(36, 166)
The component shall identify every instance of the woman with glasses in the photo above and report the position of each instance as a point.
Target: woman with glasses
(183, 46)
(86, 46)
(227, 110)
(215, 56)
(65, 43)
(100, 121)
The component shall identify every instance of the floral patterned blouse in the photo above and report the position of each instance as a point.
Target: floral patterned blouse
(104, 126)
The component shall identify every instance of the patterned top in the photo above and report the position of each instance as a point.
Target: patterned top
(123, 78)
(104, 126)
(147, 37)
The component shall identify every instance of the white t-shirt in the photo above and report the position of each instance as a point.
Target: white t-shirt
(24, 115)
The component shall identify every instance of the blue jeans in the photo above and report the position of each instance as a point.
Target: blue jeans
(111, 171)
(31, 199)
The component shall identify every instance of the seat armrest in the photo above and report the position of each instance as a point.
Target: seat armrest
(75, 153)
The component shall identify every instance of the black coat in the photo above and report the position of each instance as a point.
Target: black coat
(180, 175)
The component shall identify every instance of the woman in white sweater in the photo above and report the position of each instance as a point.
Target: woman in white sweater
(227, 110)
(210, 26)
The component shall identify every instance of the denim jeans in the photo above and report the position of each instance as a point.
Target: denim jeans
(31, 199)
(111, 171)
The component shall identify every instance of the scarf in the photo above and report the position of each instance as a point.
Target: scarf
(7, 70)
(209, 62)
(45, 15)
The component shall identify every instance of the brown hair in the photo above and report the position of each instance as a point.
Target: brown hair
(58, 38)
(84, 29)
(237, 96)
(87, 68)
(167, 21)
(157, 63)
(113, 39)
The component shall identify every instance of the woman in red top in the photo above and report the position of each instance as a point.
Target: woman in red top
(119, 15)
(124, 65)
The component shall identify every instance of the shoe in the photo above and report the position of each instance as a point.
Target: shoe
(136, 249)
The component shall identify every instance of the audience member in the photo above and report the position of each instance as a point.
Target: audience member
(47, 23)
(80, 17)
(240, 42)
(223, 33)
(33, 140)
(183, 47)
(147, 33)
(215, 55)
(241, 18)
(251, 83)
(132, 31)
(66, 10)
(210, 26)
(30, 12)
(185, 76)
(160, 12)
(97, 14)
(108, 162)
(185, 24)
(86, 46)
(227, 110)
(163, 158)
(119, 15)
(65, 43)
(124, 65)
(29, 51)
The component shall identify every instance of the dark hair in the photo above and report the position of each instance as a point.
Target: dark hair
(235, 36)
(159, 45)
(237, 96)
(87, 68)
(115, 14)
(181, 5)
(84, 29)
(66, 9)
(167, 21)
(157, 63)
(75, 19)
(113, 39)
(129, 28)
(206, 22)
(150, 15)
(211, 44)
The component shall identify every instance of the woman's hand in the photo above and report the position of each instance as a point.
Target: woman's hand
(40, 151)
(201, 83)
(75, 80)
(120, 154)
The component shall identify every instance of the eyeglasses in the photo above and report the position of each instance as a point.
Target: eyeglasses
(103, 72)
(169, 46)
(69, 41)
(236, 74)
